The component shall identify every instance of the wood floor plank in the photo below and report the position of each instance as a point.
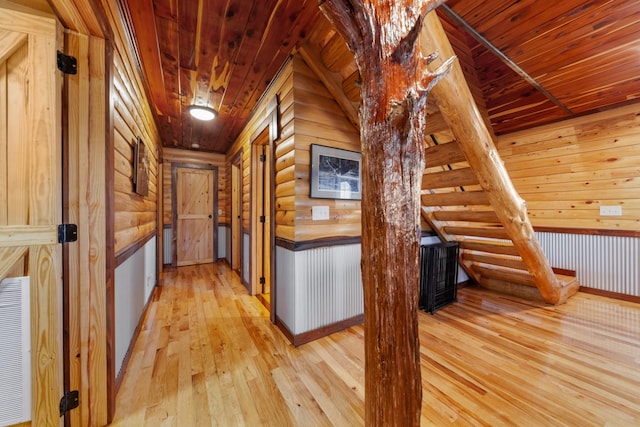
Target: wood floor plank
(208, 355)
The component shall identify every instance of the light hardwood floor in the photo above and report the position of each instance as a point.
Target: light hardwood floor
(207, 355)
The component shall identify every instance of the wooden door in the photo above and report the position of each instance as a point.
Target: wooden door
(236, 215)
(195, 215)
(30, 190)
(261, 217)
(266, 223)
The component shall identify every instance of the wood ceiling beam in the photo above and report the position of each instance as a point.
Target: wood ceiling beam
(504, 58)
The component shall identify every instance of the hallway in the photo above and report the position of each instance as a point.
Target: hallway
(208, 355)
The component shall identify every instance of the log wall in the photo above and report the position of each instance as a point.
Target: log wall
(282, 87)
(135, 216)
(318, 120)
(566, 171)
(308, 115)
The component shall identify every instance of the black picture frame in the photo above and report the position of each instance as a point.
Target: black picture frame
(140, 168)
(335, 173)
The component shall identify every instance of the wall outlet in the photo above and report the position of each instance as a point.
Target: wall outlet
(319, 213)
(610, 210)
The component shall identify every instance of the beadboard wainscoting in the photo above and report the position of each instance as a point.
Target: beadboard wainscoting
(605, 263)
(317, 288)
(134, 281)
(246, 261)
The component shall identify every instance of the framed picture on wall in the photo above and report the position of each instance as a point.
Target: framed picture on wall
(335, 173)
(140, 168)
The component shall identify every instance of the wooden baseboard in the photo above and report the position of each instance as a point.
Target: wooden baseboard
(315, 334)
(609, 294)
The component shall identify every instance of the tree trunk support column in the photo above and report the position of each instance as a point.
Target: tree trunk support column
(395, 84)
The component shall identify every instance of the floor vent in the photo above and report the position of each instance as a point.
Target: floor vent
(15, 351)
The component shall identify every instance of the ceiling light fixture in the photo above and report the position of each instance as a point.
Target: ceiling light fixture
(202, 112)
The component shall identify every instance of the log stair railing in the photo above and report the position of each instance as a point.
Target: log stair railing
(458, 209)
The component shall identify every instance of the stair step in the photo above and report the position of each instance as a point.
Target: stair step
(443, 154)
(518, 282)
(457, 198)
(490, 247)
(488, 217)
(491, 232)
(493, 259)
(504, 274)
(449, 178)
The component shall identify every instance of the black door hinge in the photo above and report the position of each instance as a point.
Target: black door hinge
(67, 64)
(263, 219)
(263, 281)
(67, 233)
(70, 400)
(263, 157)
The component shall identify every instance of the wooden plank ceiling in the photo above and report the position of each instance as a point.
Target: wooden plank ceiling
(531, 62)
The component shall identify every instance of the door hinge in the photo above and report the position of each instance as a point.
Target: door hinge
(263, 219)
(67, 233)
(263, 157)
(69, 401)
(263, 280)
(67, 64)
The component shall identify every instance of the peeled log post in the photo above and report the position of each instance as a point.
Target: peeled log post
(395, 83)
(456, 103)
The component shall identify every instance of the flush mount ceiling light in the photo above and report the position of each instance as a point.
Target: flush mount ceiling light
(201, 112)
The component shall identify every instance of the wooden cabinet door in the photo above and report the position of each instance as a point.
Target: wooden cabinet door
(31, 190)
(195, 212)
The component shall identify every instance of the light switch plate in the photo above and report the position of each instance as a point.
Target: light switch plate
(611, 210)
(319, 213)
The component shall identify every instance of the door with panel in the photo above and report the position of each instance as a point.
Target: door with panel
(262, 226)
(195, 214)
(31, 206)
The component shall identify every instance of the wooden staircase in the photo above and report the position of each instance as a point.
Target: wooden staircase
(459, 151)
(458, 209)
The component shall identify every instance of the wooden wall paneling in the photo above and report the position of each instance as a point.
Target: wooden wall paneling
(318, 120)
(246, 188)
(160, 222)
(4, 189)
(567, 170)
(132, 122)
(166, 191)
(128, 116)
(224, 195)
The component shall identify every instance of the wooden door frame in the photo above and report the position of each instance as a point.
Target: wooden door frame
(237, 162)
(271, 125)
(174, 207)
(258, 194)
(88, 152)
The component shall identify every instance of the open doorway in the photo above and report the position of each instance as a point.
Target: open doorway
(261, 218)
